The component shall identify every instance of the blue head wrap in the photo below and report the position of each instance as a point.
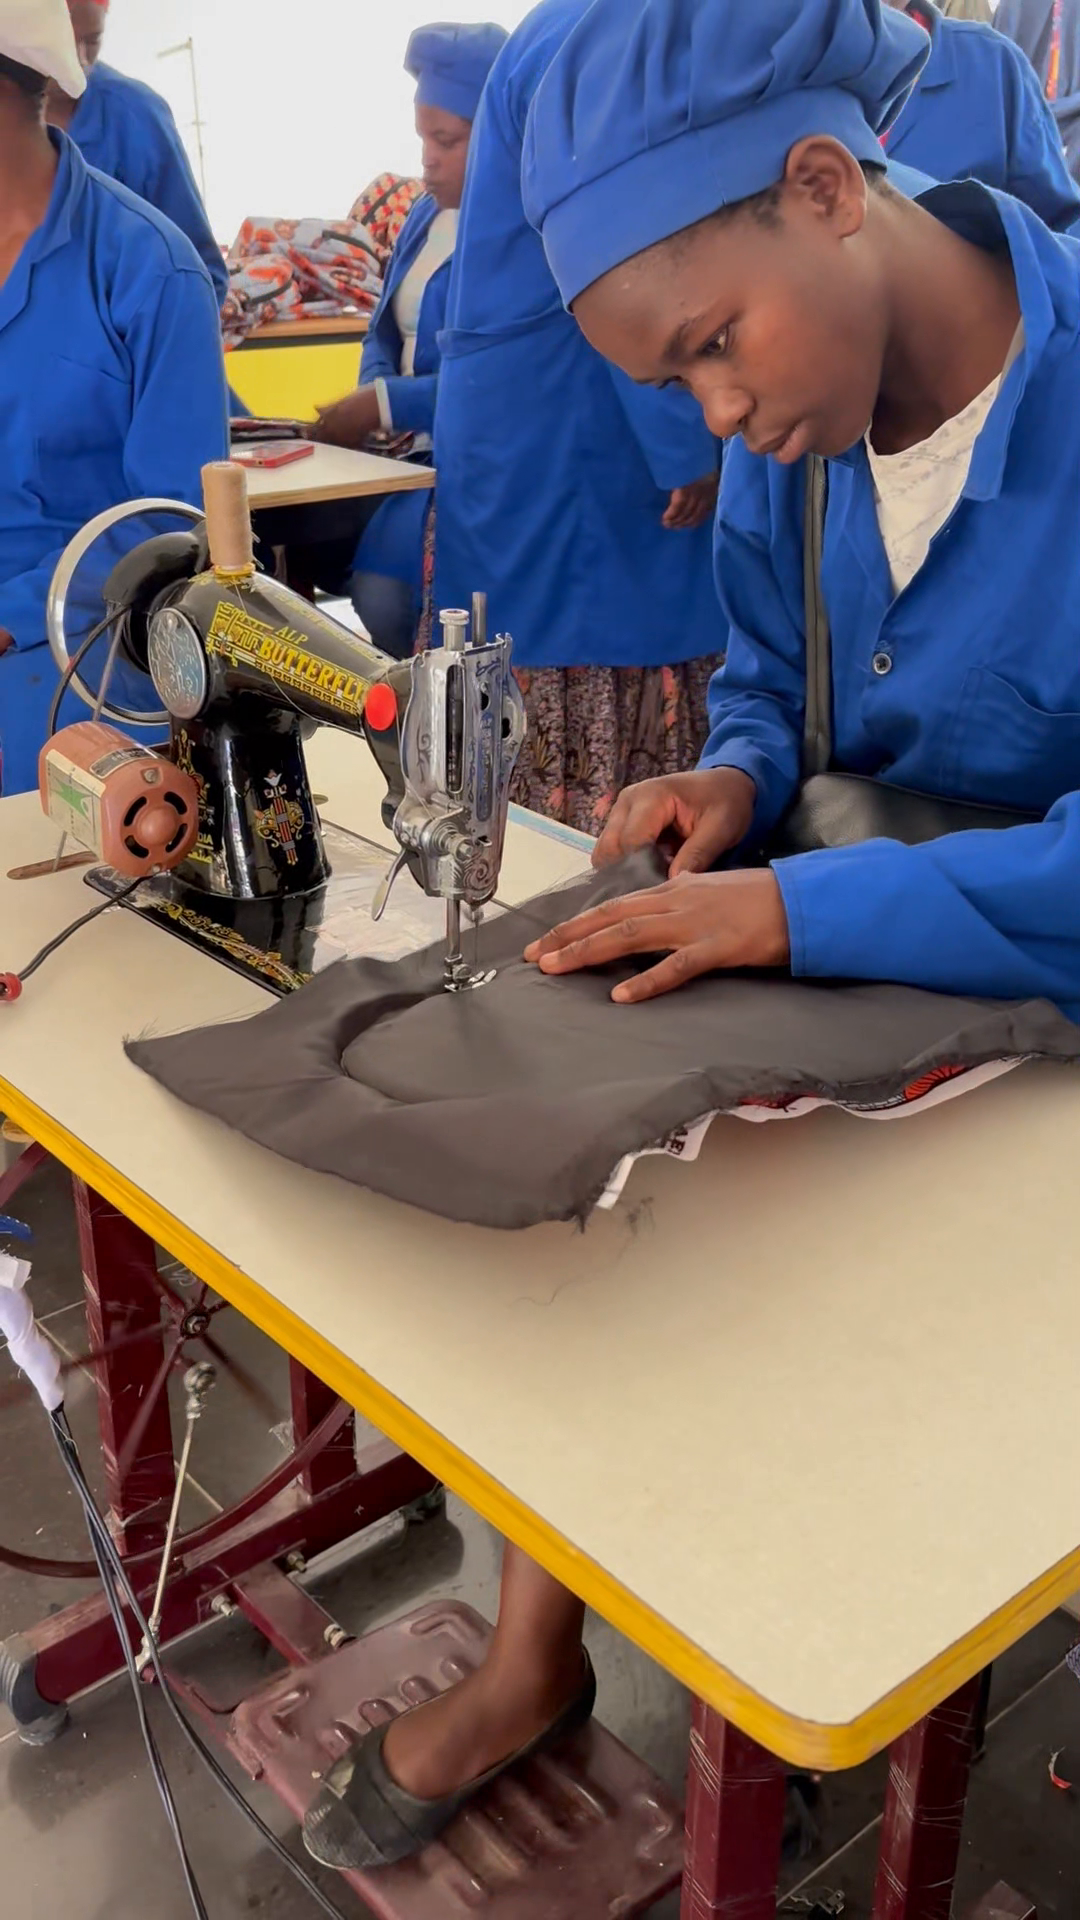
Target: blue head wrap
(656, 113)
(451, 64)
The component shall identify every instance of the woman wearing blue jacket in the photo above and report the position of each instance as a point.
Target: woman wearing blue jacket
(1048, 31)
(112, 382)
(400, 366)
(708, 181)
(126, 130)
(578, 501)
(978, 112)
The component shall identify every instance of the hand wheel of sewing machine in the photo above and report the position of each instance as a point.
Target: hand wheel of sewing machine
(95, 644)
(151, 1330)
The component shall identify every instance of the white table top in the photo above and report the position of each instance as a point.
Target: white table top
(798, 1419)
(333, 473)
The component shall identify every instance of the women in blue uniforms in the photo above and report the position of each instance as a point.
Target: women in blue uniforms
(707, 178)
(126, 130)
(399, 371)
(978, 111)
(577, 501)
(111, 377)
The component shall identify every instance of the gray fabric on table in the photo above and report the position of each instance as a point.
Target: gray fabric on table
(512, 1105)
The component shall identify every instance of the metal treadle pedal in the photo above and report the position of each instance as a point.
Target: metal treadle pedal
(587, 1833)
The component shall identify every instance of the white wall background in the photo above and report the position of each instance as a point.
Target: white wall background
(302, 101)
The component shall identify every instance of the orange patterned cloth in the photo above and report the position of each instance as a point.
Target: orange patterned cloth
(383, 209)
(304, 269)
(298, 270)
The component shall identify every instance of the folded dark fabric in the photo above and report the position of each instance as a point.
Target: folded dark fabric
(511, 1105)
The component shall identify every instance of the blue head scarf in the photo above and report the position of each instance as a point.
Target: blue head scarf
(451, 64)
(656, 113)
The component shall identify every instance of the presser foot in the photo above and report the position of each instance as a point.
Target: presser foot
(458, 975)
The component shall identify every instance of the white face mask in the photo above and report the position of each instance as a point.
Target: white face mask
(38, 34)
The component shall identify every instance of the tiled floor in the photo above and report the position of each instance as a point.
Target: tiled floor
(81, 1834)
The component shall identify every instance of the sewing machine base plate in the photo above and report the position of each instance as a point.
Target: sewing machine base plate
(281, 944)
(582, 1834)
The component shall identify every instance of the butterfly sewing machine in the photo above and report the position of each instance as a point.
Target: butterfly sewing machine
(223, 823)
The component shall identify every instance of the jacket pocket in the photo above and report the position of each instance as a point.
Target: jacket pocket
(1006, 752)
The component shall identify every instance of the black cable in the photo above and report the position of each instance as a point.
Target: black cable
(74, 664)
(100, 1535)
(84, 920)
(66, 1445)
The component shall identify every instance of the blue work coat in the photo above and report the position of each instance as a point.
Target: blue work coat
(112, 388)
(127, 131)
(393, 543)
(978, 112)
(554, 470)
(1030, 23)
(967, 684)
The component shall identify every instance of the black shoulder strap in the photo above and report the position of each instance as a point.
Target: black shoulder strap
(817, 735)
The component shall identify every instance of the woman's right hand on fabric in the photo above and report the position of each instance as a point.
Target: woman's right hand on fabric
(709, 812)
(6, 640)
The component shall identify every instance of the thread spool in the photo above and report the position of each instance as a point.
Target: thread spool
(228, 518)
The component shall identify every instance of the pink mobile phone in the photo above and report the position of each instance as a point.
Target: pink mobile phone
(273, 453)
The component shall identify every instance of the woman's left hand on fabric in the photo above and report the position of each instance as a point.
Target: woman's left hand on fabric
(349, 422)
(691, 506)
(701, 922)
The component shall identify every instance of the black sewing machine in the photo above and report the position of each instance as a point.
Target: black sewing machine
(226, 829)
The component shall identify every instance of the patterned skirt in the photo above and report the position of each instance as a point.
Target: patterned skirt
(595, 730)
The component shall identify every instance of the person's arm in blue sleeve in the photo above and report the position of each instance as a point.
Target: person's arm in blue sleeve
(170, 187)
(409, 399)
(179, 420)
(22, 603)
(670, 429)
(379, 360)
(757, 700)
(994, 913)
(1037, 169)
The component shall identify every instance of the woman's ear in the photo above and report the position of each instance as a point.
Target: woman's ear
(829, 182)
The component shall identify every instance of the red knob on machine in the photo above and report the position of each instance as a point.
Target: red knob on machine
(380, 707)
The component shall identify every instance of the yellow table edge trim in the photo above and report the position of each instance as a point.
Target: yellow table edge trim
(802, 1743)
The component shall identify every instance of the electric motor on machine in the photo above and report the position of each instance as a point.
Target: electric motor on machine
(133, 809)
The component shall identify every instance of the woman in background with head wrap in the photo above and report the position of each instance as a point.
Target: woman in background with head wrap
(708, 181)
(978, 113)
(399, 371)
(112, 383)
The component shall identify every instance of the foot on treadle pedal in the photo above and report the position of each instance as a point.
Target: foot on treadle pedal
(586, 1830)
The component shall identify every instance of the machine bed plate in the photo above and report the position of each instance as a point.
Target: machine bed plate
(282, 944)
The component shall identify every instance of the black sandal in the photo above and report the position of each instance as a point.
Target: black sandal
(361, 1818)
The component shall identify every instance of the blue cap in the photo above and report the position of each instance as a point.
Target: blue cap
(451, 64)
(656, 113)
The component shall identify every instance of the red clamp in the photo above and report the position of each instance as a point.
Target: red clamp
(10, 986)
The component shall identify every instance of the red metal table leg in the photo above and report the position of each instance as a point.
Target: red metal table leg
(735, 1795)
(119, 1268)
(311, 1401)
(332, 1499)
(924, 1812)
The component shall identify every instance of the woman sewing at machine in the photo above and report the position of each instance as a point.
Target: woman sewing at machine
(707, 179)
(400, 366)
(112, 383)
